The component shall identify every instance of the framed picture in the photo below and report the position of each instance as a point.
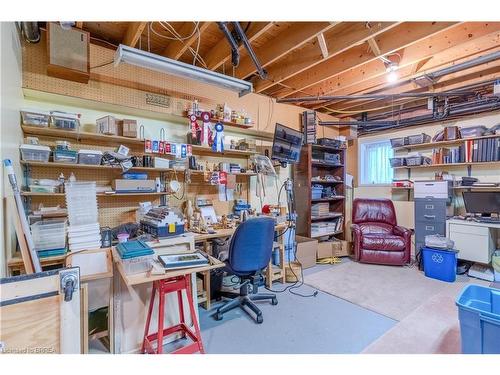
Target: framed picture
(185, 260)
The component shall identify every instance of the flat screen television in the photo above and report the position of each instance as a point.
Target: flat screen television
(287, 143)
(484, 202)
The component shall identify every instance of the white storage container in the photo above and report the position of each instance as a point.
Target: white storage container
(35, 118)
(90, 157)
(64, 121)
(81, 201)
(107, 125)
(138, 264)
(35, 152)
(49, 234)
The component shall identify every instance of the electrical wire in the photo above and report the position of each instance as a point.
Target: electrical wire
(101, 65)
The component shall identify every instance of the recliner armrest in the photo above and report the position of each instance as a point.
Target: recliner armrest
(402, 231)
(356, 237)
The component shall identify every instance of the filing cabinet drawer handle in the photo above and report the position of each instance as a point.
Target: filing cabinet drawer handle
(429, 206)
(429, 227)
(430, 216)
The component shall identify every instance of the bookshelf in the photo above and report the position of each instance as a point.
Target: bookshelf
(304, 174)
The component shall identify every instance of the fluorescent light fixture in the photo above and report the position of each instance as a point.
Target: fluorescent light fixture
(134, 56)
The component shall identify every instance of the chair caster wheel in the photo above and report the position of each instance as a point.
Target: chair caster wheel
(218, 316)
(260, 319)
(274, 301)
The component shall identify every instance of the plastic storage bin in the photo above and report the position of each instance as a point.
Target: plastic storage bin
(316, 192)
(81, 201)
(397, 162)
(49, 234)
(65, 156)
(479, 315)
(399, 142)
(418, 139)
(35, 152)
(473, 131)
(64, 121)
(417, 160)
(32, 118)
(91, 157)
(440, 264)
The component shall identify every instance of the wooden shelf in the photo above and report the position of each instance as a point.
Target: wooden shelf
(177, 119)
(337, 198)
(491, 188)
(110, 167)
(327, 182)
(453, 165)
(326, 234)
(327, 148)
(326, 217)
(116, 140)
(87, 166)
(442, 143)
(116, 195)
(321, 164)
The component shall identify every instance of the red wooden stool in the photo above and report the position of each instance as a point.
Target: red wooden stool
(163, 287)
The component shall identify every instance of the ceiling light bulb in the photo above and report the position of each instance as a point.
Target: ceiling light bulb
(392, 77)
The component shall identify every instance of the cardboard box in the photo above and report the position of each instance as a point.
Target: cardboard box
(341, 248)
(129, 128)
(325, 250)
(306, 251)
(107, 125)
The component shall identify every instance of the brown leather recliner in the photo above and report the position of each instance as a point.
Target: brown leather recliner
(377, 237)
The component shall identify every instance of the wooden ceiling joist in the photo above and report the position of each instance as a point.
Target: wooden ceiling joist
(289, 39)
(459, 42)
(374, 46)
(133, 33)
(221, 52)
(322, 45)
(339, 39)
(399, 37)
(176, 48)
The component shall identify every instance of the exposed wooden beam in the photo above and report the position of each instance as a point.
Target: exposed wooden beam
(293, 37)
(322, 45)
(463, 40)
(339, 39)
(221, 52)
(176, 48)
(374, 47)
(133, 33)
(399, 37)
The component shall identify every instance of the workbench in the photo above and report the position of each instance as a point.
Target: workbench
(132, 293)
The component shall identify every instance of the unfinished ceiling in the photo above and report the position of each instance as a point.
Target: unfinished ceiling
(327, 58)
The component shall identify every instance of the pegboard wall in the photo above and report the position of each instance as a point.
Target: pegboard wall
(116, 209)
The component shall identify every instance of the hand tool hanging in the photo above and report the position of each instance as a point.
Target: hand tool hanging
(22, 216)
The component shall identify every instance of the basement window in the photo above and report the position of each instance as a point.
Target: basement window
(374, 165)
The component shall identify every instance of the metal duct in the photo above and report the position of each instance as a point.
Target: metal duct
(455, 110)
(376, 96)
(465, 65)
(30, 31)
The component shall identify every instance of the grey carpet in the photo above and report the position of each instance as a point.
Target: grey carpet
(323, 324)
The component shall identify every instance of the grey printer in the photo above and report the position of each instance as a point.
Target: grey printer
(432, 205)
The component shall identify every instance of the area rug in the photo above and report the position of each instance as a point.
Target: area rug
(388, 290)
(431, 328)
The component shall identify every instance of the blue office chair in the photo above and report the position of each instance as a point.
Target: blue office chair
(249, 253)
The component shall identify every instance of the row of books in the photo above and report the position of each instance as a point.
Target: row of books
(472, 151)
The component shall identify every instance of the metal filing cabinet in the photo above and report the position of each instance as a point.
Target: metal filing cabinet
(432, 206)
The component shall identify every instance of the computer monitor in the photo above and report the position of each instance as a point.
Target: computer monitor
(484, 202)
(287, 143)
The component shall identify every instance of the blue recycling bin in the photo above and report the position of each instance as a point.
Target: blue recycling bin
(440, 264)
(479, 315)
